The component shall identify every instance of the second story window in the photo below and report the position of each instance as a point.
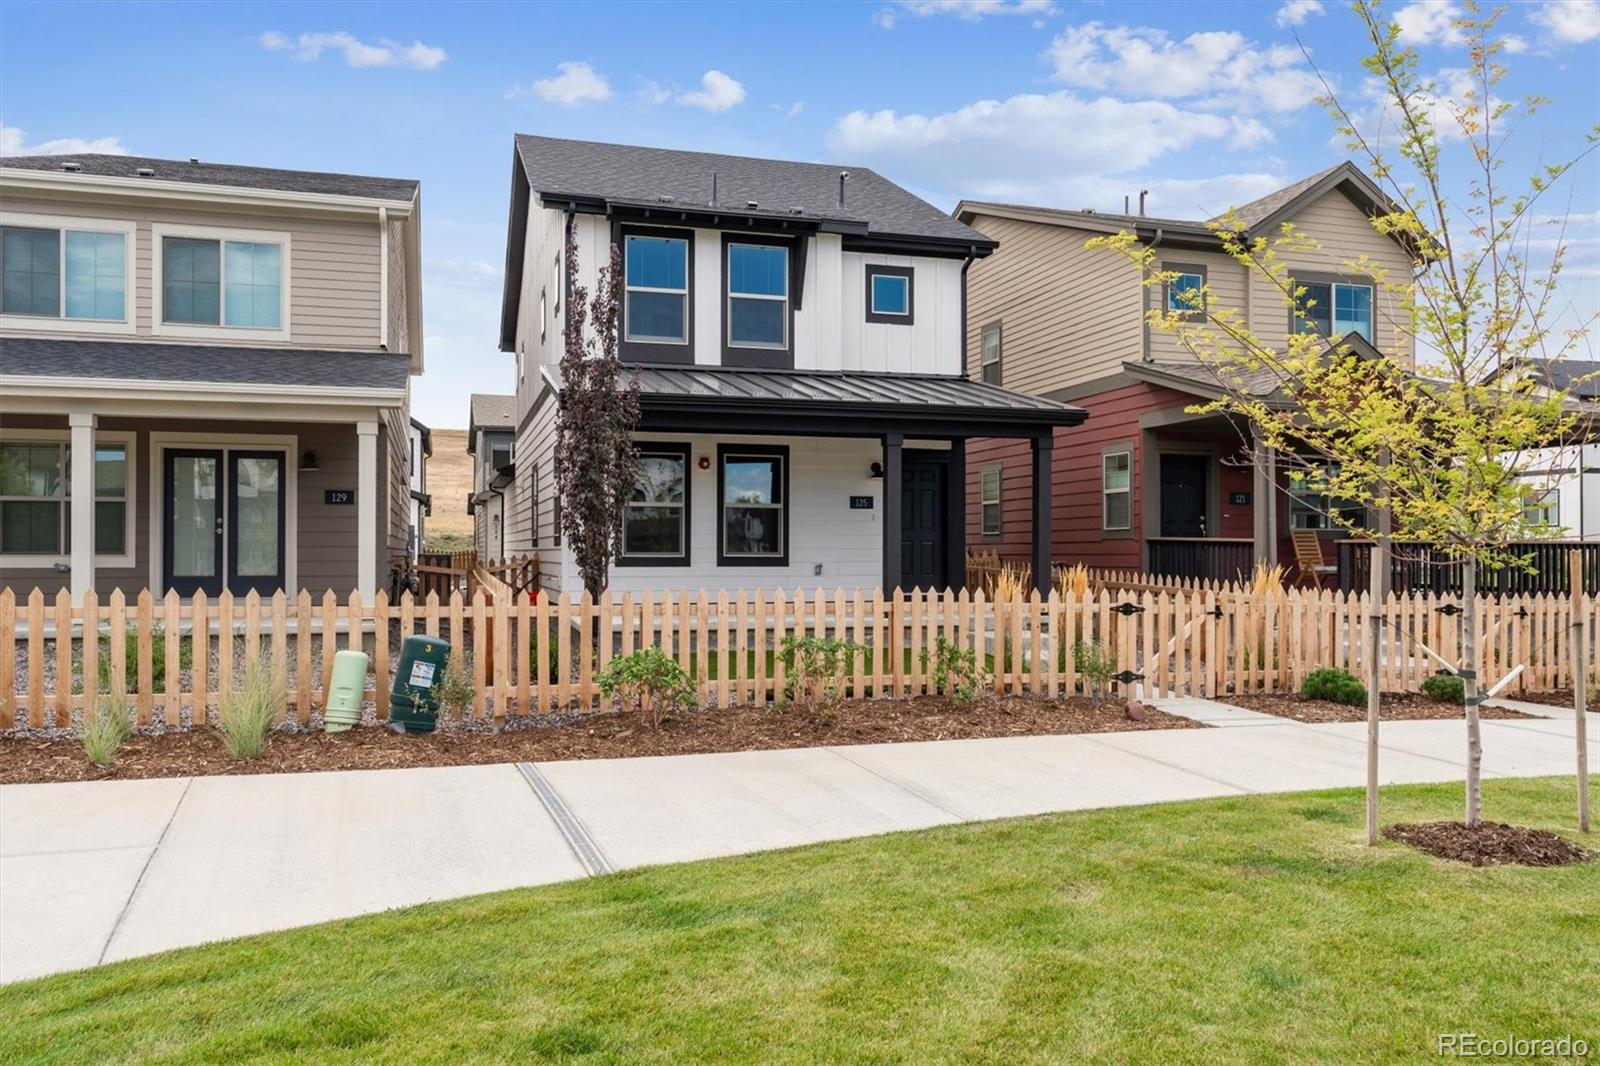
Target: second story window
(991, 354)
(56, 269)
(890, 298)
(1334, 308)
(656, 303)
(758, 296)
(1186, 292)
(214, 283)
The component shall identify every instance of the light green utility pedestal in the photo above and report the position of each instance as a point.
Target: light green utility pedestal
(345, 691)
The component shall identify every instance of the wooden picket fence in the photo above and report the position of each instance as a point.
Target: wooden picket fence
(539, 657)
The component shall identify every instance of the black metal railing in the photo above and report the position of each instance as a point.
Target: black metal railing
(1202, 558)
(1418, 567)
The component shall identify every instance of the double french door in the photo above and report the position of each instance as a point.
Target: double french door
(224, 520)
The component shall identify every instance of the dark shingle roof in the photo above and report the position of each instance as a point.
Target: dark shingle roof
(1580, 377)
(1263, 208)
(843, 389)
(634, 174)
(493, 411)
(202, 363)
(225, 174)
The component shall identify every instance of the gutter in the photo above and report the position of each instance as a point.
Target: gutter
(966, 264)
(188, 190)
(1144, 300)
(32, 385)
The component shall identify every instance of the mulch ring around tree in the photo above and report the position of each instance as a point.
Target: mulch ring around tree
(1392, 707)
(605, 735)
(1490, 844)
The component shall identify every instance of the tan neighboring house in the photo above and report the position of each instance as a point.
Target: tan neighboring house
(1145, 484)
(204, 375)
(491, 436)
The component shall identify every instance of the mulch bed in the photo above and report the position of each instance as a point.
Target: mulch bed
(199, 752)
(1490, 844)
(1558, 698)
(1392, 707)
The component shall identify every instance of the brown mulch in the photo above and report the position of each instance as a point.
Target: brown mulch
(1558, 698)
(1490, 844)
(199, 752)
(1392, 707)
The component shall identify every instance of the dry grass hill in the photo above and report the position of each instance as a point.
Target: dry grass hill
(450, 481)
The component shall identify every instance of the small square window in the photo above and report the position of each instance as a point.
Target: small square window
(891, 295)
(1186, 293)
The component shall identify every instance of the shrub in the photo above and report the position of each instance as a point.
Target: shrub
(814, 670)
(1096, 663)
(1447, 688)
(651, 681)
(107, 722)
(246, 710)
(1339, 686)
(552, 653)
(955, 670)
(456, 689)
(158, 659)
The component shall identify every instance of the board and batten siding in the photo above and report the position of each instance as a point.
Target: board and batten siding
(1067, 313)
(333, 274)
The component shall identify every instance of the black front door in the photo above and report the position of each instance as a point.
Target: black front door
(224, 521)
(1183, 495)
(924, 498)
(255, 522)
(194, 521)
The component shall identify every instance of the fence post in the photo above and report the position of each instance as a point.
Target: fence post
(1580, 696)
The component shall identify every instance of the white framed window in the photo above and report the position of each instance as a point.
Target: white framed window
(66, 274)
(656, 289)
(655, 520)
(1310, 506)
(991, 354)
(989, 501)
(1544, 509)
(36, 498)
(1116, 490)
(1334, 308)
(758, 295)
(220, 283)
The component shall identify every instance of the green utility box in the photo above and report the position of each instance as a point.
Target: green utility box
(345, 691)
(414, 703)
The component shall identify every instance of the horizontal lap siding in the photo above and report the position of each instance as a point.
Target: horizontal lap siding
(1075, 500)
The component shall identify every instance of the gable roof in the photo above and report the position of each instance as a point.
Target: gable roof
(1579, 377)
(492, 411)
(194, 172)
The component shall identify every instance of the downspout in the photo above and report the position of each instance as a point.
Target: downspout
(383, 278)
(965, 266)
(1144, 300)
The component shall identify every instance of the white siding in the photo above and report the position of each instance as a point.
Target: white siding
(931, 345)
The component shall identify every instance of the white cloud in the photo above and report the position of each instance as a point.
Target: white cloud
(1295, 12)
(14, 142)
(1570, 21)
(972, 10)
(385, 53)
(790, 110)
(653, 93)
(462, 273)
(717, 92)
(1216, 69)
(576, 83)
(883, 18)
(1378, 123)
(1429, 22)
(1033, 147)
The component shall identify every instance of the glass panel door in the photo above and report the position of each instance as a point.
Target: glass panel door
(256, 522)
(193, 527)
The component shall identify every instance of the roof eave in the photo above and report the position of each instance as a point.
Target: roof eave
(50, 180)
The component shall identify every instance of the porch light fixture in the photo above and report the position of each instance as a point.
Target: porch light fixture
(876, 470)
(308, 461)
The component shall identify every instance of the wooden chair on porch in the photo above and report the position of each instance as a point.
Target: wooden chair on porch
(1309, 563)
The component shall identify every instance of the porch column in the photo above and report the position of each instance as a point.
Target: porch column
(1043, 580)
(367, 509)
(1266, 506)
(83, 424)
(893, 521)
(956, 527)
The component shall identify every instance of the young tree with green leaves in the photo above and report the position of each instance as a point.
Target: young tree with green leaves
(596, 462)
(1445, 445)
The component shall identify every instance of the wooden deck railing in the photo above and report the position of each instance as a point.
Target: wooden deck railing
(1200, 558)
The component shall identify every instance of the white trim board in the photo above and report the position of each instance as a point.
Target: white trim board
(128, 228)
(159, 231)
(122, 561)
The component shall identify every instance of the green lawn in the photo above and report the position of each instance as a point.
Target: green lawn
(1239, 930)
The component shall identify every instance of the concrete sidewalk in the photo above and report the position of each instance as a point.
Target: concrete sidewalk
(97, 871)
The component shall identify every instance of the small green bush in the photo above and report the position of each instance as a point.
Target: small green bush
(552, 653)
(814, 670)
(158, 660)
(955, 671)
(245, 711)
(1338, 686)
(651, 681)
(456, 689)
(1446, 688)
(107, 722)
(1096, 663)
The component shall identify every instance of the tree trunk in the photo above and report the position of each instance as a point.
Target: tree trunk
(1469, 684)
(1379, 569)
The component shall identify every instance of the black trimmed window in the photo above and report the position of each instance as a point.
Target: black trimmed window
(989, 347)
(1116, 490)
(891, 294)
(758, 286)
(657, 299)
(752, 505)
(989, 487)
(655, 520)
(1333, 308)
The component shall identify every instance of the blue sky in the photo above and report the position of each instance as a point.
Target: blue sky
(1070, 104)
